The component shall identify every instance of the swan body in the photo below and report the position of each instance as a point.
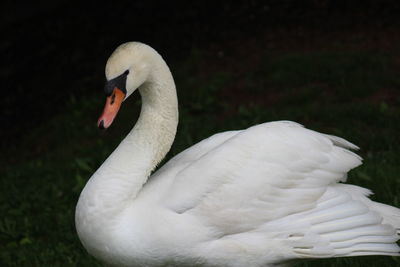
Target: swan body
(262, 196)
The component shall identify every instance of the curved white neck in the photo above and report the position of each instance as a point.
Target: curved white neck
(121, 177)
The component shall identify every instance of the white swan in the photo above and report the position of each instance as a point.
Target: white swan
(255, 197)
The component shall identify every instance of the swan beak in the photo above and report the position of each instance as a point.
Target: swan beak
(113, 103)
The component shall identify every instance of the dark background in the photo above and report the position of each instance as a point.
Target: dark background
(52, 49)
(331, 65)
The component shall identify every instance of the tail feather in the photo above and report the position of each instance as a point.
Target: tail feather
(365, 240)
(338, 141)
(371, 248)
(346, 223)
(369, 230)
(391, 215)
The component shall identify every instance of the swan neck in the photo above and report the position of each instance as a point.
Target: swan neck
(156, 127)
(152, 136)
(113, 188)
(118, 181)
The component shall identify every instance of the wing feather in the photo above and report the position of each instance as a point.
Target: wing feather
(274, 188)
(257, 175)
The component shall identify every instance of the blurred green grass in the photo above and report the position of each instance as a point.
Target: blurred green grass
(351, 94)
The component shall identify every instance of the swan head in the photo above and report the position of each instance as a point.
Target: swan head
(127, 69)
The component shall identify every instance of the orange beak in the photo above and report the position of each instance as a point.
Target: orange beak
(113, 103)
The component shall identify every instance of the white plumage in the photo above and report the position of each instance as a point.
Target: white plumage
(256, 197)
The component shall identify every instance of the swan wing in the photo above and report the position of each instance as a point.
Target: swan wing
(160, 183)
(273, 190)
(257, 175)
